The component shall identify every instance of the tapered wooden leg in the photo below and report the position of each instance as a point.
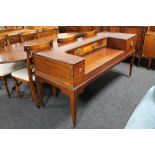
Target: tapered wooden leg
(73, 107)
(138, 63)
(32, 94)
(6, 86)
(39, 93)
(149, 64)
(17, 87)
(32, 89)
(54, 91)
(131, 64)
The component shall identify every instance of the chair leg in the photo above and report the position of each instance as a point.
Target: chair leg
(138, 63)
(6, 86)
(32, 89)
(149, 64)
(40, 101)
(31, 93)
(17, 87)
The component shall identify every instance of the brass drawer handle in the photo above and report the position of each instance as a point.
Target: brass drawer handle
(94, 46)
(131, 43)
(78, 51)
(80, 70)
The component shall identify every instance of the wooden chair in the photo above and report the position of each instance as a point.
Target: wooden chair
(63, 41)
(89, 34)
(3, 41)
(14, 38)
(72, 28)
(30, 35)
(7, 68)
(26, 75)
(48, 31)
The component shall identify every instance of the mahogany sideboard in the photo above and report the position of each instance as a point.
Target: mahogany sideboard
(72, 67)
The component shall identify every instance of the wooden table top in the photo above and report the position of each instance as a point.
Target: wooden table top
(16, 53)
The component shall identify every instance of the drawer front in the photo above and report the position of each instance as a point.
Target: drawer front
(131, 44)
(83, 50)
(90, 47)
(122, 44)
(79, 73)
(100, 43)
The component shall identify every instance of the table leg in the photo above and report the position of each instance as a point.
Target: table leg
(54, 91)
(73, 107)
(149, 64)
(131, 64)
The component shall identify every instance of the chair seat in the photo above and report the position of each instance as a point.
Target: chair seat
(8, 68)
(22, 74)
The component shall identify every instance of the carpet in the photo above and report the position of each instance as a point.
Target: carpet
(144, 115)
(107, 103)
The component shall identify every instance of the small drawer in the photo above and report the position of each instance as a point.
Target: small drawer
(131, 43)
(79, 72)
(84, 50)
(90, 47)
(100, 43)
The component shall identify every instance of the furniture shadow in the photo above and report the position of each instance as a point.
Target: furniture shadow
(99, 85)
(91, 90)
